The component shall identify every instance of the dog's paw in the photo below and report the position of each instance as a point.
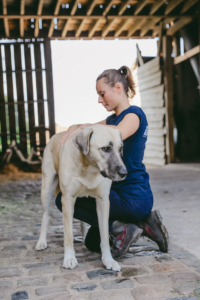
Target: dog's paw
(111, 264)
(70, 263)
(41, 245)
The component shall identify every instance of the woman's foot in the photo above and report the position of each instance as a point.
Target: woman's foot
(122, 236)
(154, 229)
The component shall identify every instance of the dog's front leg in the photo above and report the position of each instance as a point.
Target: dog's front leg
(103, 215)
(70, 261)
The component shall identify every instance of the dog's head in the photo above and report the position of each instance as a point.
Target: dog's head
(103, 147)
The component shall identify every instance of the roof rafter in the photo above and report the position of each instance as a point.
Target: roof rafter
(187, 5)
(148, 25)
(36, 30)
(140, 6)
(178, 25)
(93, 29)
(78, 32)
(22, 7)
(4, 6)
(108, 7)
(123, 7)
(157, 4)
(56, 11)
(91, 7)
(122, 27)
(74, 8)
(21, 21)
(65, 29)
(40, 7)
(5, 21)
(57, 7)
(172, 5)
(107, 28)
(135, 27)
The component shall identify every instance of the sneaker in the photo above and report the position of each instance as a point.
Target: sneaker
(154, 229)
(122, 236)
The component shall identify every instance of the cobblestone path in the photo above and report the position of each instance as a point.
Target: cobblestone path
(27, 274)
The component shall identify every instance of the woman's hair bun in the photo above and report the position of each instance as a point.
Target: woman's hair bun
(123, 71)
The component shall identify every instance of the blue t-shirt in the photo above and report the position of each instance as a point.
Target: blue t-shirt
(136, 184)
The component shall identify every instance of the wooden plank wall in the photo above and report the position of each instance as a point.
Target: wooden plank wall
(150, 91)
(22, 103)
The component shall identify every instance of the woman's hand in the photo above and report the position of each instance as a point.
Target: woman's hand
(71, 130)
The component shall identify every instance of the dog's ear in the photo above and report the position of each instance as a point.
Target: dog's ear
(82, 140)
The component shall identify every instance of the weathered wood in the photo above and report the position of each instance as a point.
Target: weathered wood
(39, 84)
(79, 30)
(139, 56)
(140, 6)
(160, 148)
(91, 6)
(168, 81)
(154, 111)
(153, 153)
(57, 7)
(153, 81)
(22, 7)
(156, 125)
(150, 64)
(149, 77)
(148, 25)
(123, 6)
(178, 25)
(4, 7)
(187, 55)
(108, 7)
(137, 25)
(108, 27)
(2, 109)
(51, 28)
(155, 118)
(172, 5)
(49, 81)
(20, 95)
(29, 84)
(6, 27)
(36, 29)
(21, 27)
(157, 132)
(155, 92)
(122, 27)
(153, 103)
(154, 161)
(74, 7)
(94, 27)
(156, 140)
(11, 110)
(141, 76)
(159, 45)
(157, 4)
(40, 7)
(187, 5)
(65, 29)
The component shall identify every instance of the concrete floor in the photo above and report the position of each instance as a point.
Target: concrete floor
(176, 189)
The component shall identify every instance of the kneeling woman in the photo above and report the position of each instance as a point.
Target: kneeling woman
(131, 200)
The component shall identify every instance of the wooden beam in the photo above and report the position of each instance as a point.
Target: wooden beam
(122, 27)
(51, 28)
(36, 30)
(187, 5)
(135, 27)
(157, 4)
(173, 4)
(160, 39)
(79, 30)
(4, 6)
(65, 29)
(74, 8)
(6, 27)
(123, 7)
(108, 7)
(22, 7)
(140, 6)
(40, 7)
(57, 7)
(187, 55)
(91, 7)
(178, 25)
(21, 27)
(107, 28)
(94, 28)
(148, 25)
(139, 56)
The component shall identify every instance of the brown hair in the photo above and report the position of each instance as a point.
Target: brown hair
(123, 75)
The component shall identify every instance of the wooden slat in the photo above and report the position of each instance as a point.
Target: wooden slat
(22, 7)
(20, 95)
(155, 111)
(187, 5)
(156, 140)
(178, 25)
(79, 30)
(187, 55)
(141, 76)
(91, 6)
(150, 64)
(172, 5)
(49, 79)
(155, 118)
(124, 6)
(21, 27)
(159, 48)
(4, 7)
(74, 8)
(122, 27)
(140, 6)
(29, 84)
(108, 7)
(160, 148)
(6, 27)
(107, 28)
(2, 109)
(148, 25)
(36, 29)
(156, 125)
(154, 153)
(154, 80)
(155, 92)
(153, 103)
(148, 76)
(94, 28)
(40, 7)
(137, 25)
(39, 85)
(65, 29)
(139, 56)
(157, 132)
(157, 4)
(51, 28)
(57, 7)
(11, 109)
(154, 161)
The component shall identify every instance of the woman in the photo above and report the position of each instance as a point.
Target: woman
(131, 200)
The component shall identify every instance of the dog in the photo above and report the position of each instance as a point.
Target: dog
(85, 165)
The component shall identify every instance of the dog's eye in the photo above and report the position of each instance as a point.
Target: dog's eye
(106, 149)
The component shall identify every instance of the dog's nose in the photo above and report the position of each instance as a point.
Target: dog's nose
(122, 172)
(103, 173)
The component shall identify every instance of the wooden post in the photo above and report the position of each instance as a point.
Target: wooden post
(2, 110)
(168, 82)
(49, 81)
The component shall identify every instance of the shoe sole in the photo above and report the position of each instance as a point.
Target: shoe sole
(163, 228)
(135, 237)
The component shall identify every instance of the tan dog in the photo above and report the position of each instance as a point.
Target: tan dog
(84, 165)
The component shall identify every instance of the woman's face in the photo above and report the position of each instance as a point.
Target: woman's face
(108, 96)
